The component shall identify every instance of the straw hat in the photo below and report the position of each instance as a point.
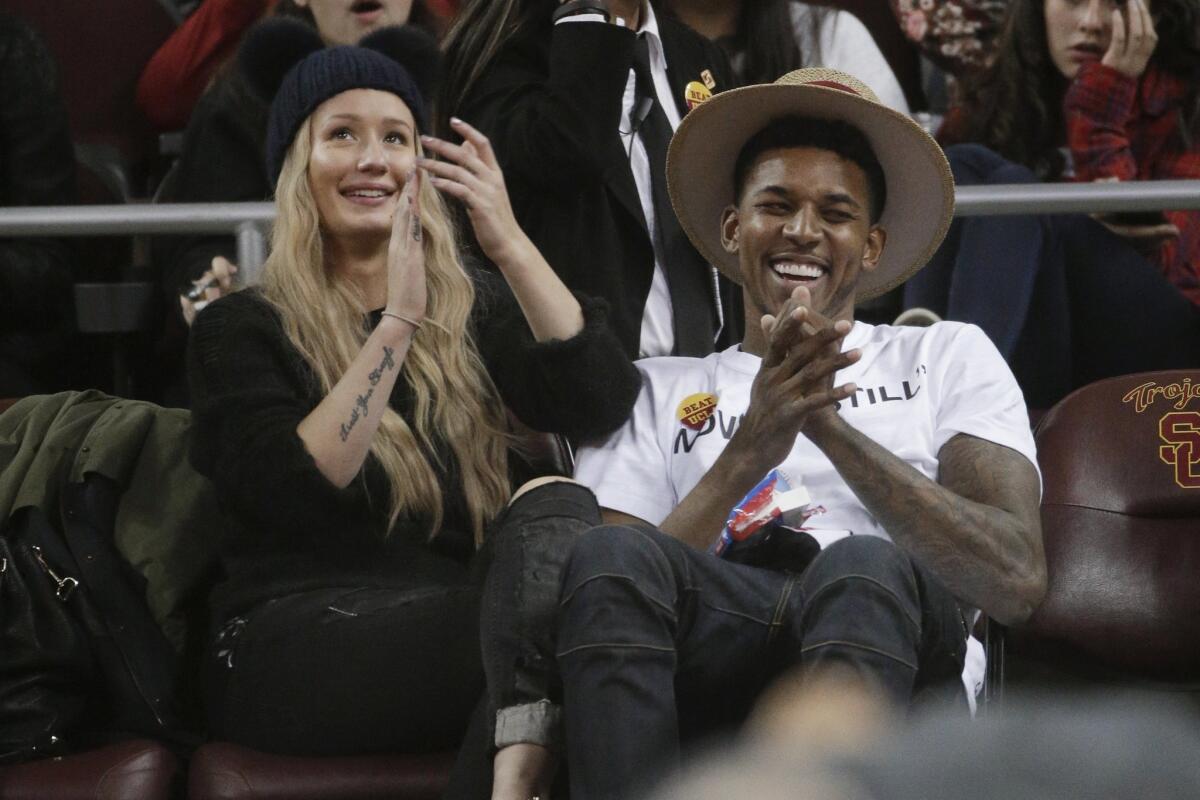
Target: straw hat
(920, 188)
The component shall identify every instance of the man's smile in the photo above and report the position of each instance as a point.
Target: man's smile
(800, 269)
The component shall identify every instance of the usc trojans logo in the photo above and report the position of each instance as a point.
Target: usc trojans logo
(1180, 394)
(1181, 432)
(1180, 429)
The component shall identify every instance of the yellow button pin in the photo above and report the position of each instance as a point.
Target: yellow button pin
(695, 409)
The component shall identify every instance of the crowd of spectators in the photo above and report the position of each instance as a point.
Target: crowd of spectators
(1016, 114)
(1082, 91)
(546, 185)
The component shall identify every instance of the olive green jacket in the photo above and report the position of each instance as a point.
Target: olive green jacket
(167, 519)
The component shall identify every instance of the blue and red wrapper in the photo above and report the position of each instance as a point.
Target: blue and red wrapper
(768, 522)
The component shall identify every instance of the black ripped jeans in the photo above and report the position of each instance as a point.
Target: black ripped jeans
(657, 639)
(348, 670)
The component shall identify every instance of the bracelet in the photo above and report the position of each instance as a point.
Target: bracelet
(402, 318)
(570, 8)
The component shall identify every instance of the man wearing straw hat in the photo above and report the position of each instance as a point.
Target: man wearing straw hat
(909, 447)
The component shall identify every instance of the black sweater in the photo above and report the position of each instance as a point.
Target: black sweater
(289, 528)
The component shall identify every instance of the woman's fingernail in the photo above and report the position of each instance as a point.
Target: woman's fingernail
(455, 121)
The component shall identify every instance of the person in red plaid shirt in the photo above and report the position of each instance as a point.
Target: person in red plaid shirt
(1114, 94)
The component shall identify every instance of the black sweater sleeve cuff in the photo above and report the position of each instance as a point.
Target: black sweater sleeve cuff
(582, 387)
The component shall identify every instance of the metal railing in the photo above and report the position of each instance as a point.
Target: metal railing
(247, 222)
(1076, 198)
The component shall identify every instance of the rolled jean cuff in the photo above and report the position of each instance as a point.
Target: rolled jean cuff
(532, 723)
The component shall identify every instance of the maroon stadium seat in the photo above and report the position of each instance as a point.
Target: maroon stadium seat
(101, 47)
(1120, 462)
(133, 770)
(223, 771)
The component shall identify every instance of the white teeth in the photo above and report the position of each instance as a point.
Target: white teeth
(794, 270)
(367, 193)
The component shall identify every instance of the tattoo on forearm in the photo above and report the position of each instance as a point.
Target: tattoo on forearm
(387, 363)
(958, 527)
(361, 403)
(415, 226)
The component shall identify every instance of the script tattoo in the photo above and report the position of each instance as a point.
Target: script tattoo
(361, 406)
(415, 225)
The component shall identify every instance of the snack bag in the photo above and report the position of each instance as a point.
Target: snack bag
(766, 528)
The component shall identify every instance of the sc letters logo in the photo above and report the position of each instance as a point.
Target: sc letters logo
(1181, 432)
(1179, 429)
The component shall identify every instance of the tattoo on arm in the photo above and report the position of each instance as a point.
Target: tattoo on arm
(977, 527)
(361, 406)
(387, 363)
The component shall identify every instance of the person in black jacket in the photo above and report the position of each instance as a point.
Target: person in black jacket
(37, 167)
(581, 99)
(349, 620)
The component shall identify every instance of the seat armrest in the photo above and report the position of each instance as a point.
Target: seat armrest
(139, 769)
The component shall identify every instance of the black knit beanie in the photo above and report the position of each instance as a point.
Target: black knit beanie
(289, 66)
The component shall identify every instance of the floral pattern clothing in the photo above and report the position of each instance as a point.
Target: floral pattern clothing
(957, 35)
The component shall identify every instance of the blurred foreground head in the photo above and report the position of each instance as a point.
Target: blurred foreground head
(833, 740)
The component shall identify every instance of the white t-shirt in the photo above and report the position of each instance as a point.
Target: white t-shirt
(918, 387)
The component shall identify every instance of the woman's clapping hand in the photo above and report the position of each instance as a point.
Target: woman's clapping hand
(406, 255)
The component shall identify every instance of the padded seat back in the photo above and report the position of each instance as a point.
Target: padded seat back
(223, 771)
(101, 47)
(1120, 462)
(138, 769)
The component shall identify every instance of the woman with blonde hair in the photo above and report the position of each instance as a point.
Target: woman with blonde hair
(352, 412)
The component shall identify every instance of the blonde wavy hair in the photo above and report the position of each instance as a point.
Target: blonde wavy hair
(454, 398)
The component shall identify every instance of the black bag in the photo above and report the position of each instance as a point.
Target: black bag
(80, 654)
(46, 663)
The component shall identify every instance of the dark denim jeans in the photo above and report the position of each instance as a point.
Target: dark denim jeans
(520, 601)
(1048, 289)
(524, 564)
(657, 639)
(345, 670)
